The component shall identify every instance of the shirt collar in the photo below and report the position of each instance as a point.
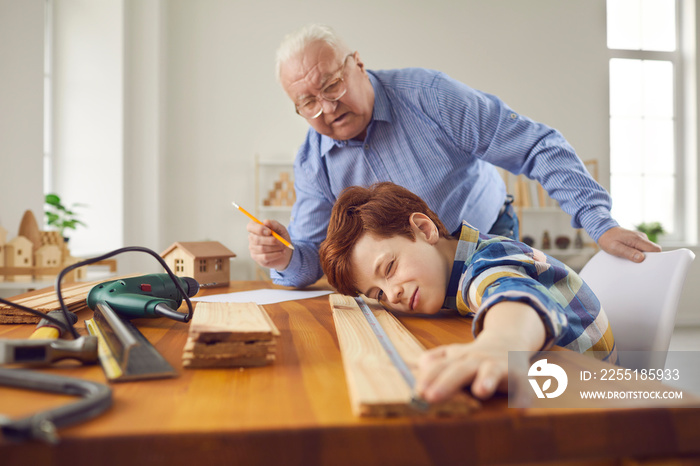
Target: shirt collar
(468, 241)
(381, 112)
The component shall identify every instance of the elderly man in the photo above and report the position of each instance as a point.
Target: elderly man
(422, 130)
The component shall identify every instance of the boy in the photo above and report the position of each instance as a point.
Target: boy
(384, 242)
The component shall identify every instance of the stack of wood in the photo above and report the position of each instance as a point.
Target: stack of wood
(283, 193)
(45, 300)
(230, 335)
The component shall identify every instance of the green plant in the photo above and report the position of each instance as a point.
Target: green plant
(59, 216)
(652, 230)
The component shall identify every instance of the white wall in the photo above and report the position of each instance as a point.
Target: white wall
(546, 58)
(88, 132)
(143, 132)
(21, 111)
(193, 82)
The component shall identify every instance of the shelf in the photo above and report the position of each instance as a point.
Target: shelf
(274, 187)
(275, 208)
(570, 252)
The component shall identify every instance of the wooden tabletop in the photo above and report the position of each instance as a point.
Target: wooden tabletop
(297, 411)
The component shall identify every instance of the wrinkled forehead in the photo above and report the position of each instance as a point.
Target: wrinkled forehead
(307, 71)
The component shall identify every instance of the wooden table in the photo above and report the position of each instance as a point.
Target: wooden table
(297, 411)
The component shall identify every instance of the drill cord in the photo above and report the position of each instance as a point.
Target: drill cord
(63, 272)
(53, 320)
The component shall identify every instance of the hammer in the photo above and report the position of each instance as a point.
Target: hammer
(44, 346)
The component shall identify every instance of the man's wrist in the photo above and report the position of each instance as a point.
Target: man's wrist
(596, 222)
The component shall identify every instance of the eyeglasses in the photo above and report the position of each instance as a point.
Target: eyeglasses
(312, 108)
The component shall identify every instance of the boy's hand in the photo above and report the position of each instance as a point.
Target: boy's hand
(483, 364)
(264, 248)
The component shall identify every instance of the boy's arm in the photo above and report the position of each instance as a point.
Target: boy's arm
(508, 326)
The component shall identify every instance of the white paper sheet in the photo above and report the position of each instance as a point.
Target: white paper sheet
(264, 296)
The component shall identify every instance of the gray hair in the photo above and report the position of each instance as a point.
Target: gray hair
(295, 42)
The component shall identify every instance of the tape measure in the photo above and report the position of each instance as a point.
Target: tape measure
(394, 356)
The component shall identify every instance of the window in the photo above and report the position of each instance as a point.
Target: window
(218, 264)
(202, 265)
(179, 265)
(648, 114)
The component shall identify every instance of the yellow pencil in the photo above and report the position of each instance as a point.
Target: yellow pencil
(281, 240)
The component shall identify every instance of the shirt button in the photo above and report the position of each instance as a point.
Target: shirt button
(513, 116)
(367, 146)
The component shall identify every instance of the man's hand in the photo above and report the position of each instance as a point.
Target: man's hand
(627, 244)
(265, 249)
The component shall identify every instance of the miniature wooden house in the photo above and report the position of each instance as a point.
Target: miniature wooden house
(35, 254)
(205, 261)
(18, 253)
(48, 255)
(3, 240)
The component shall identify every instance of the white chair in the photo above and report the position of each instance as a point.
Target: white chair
(640, 301)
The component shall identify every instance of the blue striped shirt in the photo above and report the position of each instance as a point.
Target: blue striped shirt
(440, 139)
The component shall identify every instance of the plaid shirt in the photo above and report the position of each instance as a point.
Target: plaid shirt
(490, 269)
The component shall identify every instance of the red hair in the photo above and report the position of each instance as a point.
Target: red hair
(382, 210)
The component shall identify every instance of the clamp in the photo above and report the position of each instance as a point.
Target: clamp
(95, 399)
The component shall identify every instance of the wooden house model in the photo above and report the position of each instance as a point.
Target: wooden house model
(34, 254)
(18, 253)
(48, 255)
(3, 240)
(206, 261)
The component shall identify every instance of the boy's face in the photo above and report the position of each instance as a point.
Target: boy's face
(407, 276)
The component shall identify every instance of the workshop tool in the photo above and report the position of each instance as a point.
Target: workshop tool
(252, 217)
(152, 295)
(45, 301)
(124, 353)
(148, 296)
(43, 346)
(46, 329)
(95, 399)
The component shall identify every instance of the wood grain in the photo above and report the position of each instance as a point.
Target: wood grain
(230, 335)
(46, 300)
(297, 411)
(376, 386)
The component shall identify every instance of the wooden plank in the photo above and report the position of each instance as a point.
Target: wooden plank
(223, 362)
(376, 387)
(238, 348)
(230, 335)
(218, 322)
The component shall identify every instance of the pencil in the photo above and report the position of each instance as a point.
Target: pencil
(252, 217)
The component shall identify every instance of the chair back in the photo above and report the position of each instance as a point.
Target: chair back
(640, 300)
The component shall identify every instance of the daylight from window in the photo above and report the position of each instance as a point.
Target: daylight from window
(643, 171)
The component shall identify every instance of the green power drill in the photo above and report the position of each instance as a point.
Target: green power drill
(152, 295)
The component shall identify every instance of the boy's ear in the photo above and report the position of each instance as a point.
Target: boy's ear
(423, 226)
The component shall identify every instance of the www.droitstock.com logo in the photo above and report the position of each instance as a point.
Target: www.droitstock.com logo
(546, 372)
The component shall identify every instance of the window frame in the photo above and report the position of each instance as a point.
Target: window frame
(683, 116)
